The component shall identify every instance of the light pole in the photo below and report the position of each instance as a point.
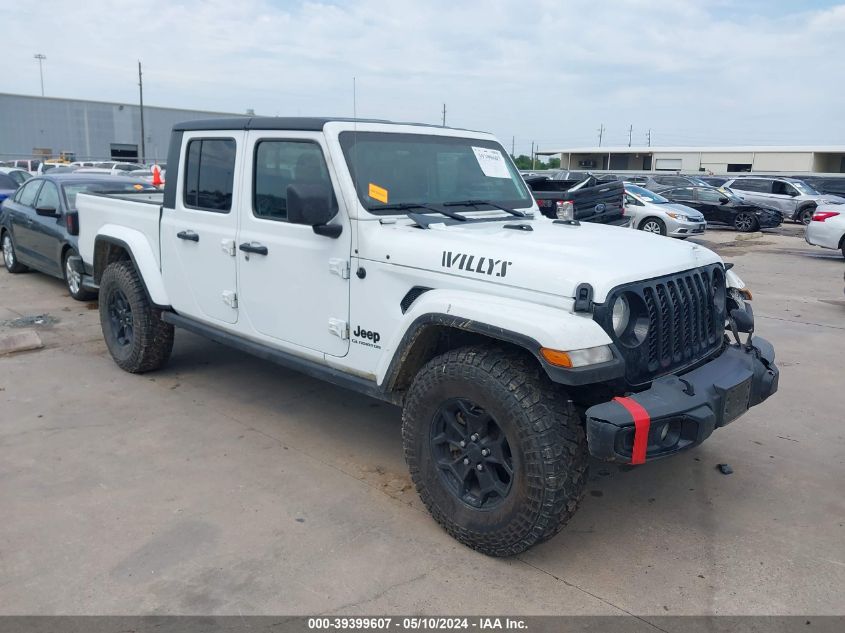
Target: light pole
(40, 59)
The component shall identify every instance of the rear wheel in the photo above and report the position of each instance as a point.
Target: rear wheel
(497, 453)
(805, 216)
(746, 222)
(653, 225)
(10, 258)
(137, 338)
(73, 279)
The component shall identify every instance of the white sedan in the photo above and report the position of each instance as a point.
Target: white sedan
(827, 228)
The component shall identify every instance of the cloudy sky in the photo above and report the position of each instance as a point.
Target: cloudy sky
(550, 71)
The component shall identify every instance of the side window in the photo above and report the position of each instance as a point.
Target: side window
(784, 188)
(708, 195)
(28, 192)
(210, 174)
(629, 199)
(753, 184)
(681, 193)
(279, 164)
(49, 197)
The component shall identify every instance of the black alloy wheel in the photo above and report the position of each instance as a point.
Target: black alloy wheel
(472, 454)
(120, 317)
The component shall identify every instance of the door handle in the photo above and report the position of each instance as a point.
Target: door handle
(253, 247)
(188, 235)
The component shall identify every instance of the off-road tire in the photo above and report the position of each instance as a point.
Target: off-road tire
(545, 435)
(10, 259)
(151, 340)
(80, 294)
(743, 225)
(656, 222)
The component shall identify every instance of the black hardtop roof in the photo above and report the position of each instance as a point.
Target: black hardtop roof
(302, 124)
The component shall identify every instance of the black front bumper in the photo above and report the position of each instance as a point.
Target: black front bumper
(679, 412)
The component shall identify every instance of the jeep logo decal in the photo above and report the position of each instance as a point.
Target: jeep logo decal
(366, 337)
(481, 265)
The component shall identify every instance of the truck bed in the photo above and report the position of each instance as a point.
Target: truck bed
(140, 211)
(594, 201)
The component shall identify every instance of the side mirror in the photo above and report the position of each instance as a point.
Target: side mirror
(724, 199)
(315, 206)
(47, 212)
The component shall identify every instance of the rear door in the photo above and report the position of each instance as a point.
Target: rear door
(21, 218)
(294, 284)
(198, 234)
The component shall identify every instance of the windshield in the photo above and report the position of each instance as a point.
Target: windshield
(392, 169)
(645, 194)
(71, 190)
(804, 188)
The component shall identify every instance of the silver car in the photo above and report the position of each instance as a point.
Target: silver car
(794, 198)
(653, 213)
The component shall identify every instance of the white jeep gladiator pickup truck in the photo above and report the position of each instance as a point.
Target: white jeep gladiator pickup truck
(410, 263)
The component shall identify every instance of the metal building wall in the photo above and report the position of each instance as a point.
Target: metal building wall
(87, 128)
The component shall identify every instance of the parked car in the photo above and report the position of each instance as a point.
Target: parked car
(410, 263)
(20, 176)
(724, 207)
(652, 213)
(794, 198)
(578, 196)
(715, 181)
(112, 168)
(27, 164)
(8, 186)
(659, 182)
(827, 229)
(38, 225)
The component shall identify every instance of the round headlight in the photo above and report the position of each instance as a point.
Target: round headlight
(621, 315)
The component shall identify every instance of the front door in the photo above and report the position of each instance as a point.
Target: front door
(21, 210)
(294, 284)
(198, 234)
(48, 231)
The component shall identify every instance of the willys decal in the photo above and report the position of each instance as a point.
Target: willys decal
(475, 264)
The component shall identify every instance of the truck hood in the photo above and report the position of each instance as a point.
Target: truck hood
(550, 258)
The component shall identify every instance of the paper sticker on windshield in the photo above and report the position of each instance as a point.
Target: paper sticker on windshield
(492, 162)
(377, 193)
(138, 187)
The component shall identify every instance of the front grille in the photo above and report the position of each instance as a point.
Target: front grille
(685, 313)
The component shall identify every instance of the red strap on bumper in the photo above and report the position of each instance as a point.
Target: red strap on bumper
(642, 422)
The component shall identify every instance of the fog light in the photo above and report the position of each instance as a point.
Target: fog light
(664, 432)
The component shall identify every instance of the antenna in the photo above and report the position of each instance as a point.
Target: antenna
(141, 94)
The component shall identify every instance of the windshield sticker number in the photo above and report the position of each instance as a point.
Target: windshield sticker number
(492, 162)
(377, 193)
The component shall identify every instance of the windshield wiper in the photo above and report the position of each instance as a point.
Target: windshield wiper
(407, 206)
(475, 203)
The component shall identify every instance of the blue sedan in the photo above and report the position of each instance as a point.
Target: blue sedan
(39, 225)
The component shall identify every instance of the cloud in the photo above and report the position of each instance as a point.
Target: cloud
(544, 70)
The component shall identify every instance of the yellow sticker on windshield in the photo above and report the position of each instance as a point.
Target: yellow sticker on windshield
(138, 187)
(377, 193)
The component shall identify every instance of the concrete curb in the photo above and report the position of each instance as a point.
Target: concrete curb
(20, 342)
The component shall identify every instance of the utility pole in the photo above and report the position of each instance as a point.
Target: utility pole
(513, 145)
(601, 133)
(630, 132)
(648, 138)
(533, 157)
(444, 115)
(40, 59)
(141, 89)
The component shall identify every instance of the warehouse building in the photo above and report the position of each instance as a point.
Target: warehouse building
(47, 127)
(715, 160)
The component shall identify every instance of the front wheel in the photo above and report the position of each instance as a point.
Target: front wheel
(137, 338)
(10, 258)
(653, 225)
(745, 223)
(497, 454)
(73, 280)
